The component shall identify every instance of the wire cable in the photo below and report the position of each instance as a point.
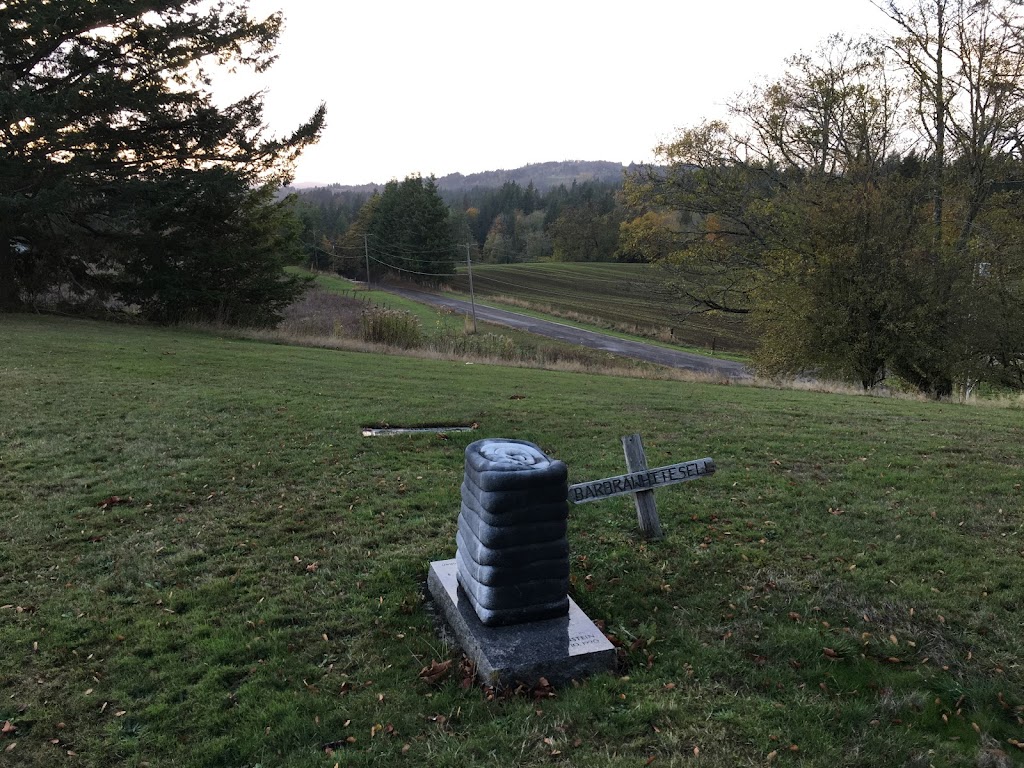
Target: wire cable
(411, 271)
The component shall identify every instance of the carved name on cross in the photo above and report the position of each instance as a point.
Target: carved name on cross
(641, 482)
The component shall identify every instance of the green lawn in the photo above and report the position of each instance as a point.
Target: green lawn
(204, 563)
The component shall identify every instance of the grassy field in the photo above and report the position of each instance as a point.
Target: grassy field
(428, 317)
(624, 297)
(204, 563)
(331, 313)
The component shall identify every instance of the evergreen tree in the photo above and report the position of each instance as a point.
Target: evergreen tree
(408, 232)
(113, 156)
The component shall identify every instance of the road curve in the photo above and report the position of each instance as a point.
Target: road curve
(636, 349)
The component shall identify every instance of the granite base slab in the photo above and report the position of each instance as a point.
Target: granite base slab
(558, 649)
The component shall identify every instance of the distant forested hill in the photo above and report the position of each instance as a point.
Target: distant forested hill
(545, 176)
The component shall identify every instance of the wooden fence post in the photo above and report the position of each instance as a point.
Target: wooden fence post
(646, 506)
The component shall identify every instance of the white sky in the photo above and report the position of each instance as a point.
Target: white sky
(434, 87)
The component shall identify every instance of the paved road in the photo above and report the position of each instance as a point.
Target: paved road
(636, 349)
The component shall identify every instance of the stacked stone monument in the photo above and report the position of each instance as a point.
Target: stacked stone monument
(505, 594)
(512, 552)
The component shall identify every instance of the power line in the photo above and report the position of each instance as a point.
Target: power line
(386, 254)
(409, 271)
(406, 249)
(413, 259)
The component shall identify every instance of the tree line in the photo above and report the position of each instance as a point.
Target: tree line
(506, 224)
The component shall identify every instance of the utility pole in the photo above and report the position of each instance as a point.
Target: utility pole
(366, 250)
(472, 297)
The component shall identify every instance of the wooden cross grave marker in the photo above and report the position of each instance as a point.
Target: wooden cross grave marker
(641, 482)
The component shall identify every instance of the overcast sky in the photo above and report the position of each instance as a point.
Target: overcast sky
(434, 87)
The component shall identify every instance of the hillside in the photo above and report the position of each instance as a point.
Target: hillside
(205, 563)
(543, 176)
(624, 297)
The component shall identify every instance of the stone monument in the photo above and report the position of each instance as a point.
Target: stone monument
(513, 557)
(505, 594)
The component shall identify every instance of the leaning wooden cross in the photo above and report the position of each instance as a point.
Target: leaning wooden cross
(641, 482)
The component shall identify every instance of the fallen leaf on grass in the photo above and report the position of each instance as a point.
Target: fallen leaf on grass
(8, 727)
(436, 672)
(830, 652)
(113, 501)
(613, 639)
(467, 673)
(543, 689)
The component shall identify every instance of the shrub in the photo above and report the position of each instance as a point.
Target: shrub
(392, 327)
(487, 345)
(322, 313)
